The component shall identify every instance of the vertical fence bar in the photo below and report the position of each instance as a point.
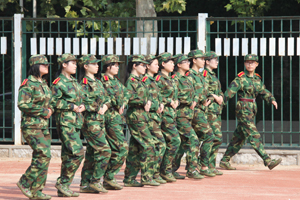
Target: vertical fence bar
(17, 76)
(203, 31)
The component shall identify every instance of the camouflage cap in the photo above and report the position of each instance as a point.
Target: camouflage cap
(110, 58)
(150, 57)
(137, 58)
(38, 59)
(196, 54)
(87, 59)
(251, 57)
(210, 55)
(164, 57)
(66, 57)
(180, 57)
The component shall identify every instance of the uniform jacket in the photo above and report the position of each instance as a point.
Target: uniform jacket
(213, 87)
(34, 101)
(169, 92)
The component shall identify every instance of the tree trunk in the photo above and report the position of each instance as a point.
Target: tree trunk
(145, 8)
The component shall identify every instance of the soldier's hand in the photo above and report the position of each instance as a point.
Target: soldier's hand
(147, 106)
(176, 104)
(275, 104)
(49, 114)
(207, 102)
(162, 107)
(81, 108)
(76, 108)
(193, 105)
(121, 110)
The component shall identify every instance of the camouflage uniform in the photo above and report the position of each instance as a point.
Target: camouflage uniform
(155, 122)
(113, 120)
(189, 140)
(214, 109)
(199, 122)
(169, 92)
(65, 94)
(97, 148)
(247, 88)
(34, 102)
(141, 145)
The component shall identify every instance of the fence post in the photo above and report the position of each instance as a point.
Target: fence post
(17, 76)
(202, 31)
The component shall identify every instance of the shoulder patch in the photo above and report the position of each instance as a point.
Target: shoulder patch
(145, 78)
(56, 81)
(258, 75)
(204, 73)
(24, 82)
(157, 77)
(188, 73)
(241, 74)
(173, 76)
(85, 81)
(106, 78)
(132, 79)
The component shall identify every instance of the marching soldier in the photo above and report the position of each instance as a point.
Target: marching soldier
(248, 85)
(141, 147)
(34, 102)
(185, 113)
(215, 108)
(169, 92)
(97, 148)
(114, 119)
(199, 122)
(69, 102)
(156, 109)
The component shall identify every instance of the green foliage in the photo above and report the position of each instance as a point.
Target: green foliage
(170, 6)
(249, 8)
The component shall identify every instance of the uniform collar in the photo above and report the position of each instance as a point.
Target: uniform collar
(90, 79)
(178, 75)
(150, 77)
(164, 76)
(211, 72)
(34, 79)
(193, 71)
(65, 79)
(135, 77)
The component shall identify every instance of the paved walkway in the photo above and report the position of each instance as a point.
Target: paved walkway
(247, 182)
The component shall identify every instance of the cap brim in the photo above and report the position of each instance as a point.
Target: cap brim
(95, 61)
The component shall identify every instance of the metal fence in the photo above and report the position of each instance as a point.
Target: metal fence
(276, 41)
(7, 80)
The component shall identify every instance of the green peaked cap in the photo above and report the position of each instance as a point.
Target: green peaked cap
(110, 58)
(164, 57)
(197, 53)
(137, 58)
(66, 57)
(210, 55)
(251, 57)
(87, 59)
(179, 58)
(38, 59)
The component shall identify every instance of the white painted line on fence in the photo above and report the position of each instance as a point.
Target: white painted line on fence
(161, 44)
(33, 50)
(144, 46)
(67, 45)
(50, 45)
(93, 46)
(244, 46)
(84, 46)
(127, 46)
(110, 45)
(119, 46)
(101, 46)
(218, 46)
(202, 31)
(153, 45)
(281, 48)
(58, 45)
(42, 45)
(3, 45)
(76, 48)
(298, 46)
(235, 46)
(263, 46)
(170, 45)
(254, 46)
(272, 46)
(291, 46)
(226, 46)
(187, 45)
(136, 46)
(178, 45)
